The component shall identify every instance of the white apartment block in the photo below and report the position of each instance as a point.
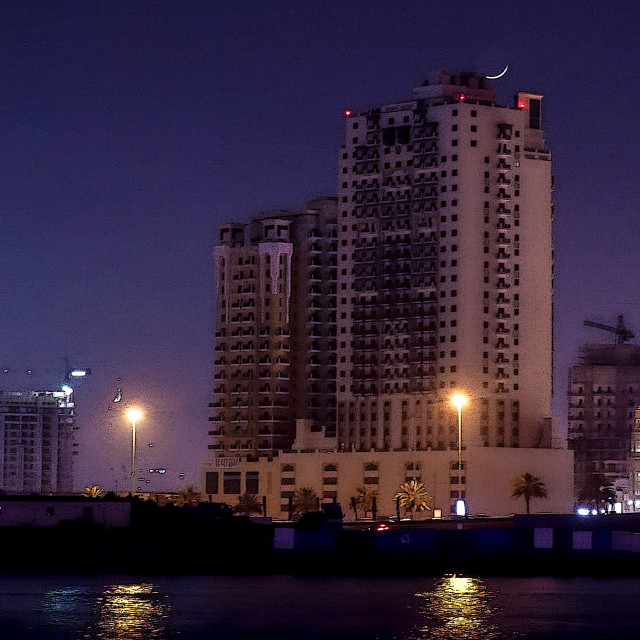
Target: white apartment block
(445, 271)
(37, 446)
(275, 352)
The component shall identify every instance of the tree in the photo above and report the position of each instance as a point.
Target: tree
(594, 488)
(188, 497)
(528, 486)
(248, 503)
(305, 500)
(94, 491)
(413, 496)
(365, 497)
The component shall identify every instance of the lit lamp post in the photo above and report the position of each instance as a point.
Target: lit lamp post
(133, 415)
(459, 401)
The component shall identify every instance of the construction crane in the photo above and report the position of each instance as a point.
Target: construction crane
(624, 335)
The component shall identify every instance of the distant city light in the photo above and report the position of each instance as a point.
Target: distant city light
(66, 389)
(79, 373)
(583, 511)
(461, 508)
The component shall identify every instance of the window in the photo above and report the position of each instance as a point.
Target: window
(231, 483)
(211, 482)
(253, 482)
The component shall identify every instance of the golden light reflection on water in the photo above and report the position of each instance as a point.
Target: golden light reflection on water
(458, 609)
(130, 612)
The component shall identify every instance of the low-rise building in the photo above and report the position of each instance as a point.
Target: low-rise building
(316, 463)
(53, 511)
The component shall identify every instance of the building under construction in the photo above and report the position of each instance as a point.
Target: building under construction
(604, 432)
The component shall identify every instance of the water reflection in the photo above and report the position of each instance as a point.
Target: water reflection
(60, 606)
(458, 609)
(130, 612)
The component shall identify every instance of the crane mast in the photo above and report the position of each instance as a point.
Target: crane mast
(623, 334)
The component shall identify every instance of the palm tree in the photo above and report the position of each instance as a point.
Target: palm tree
(248, 503)
(528, 486)
(413, 497)
(305, 500)
(188, 497)
(365, 498)
(94, 491)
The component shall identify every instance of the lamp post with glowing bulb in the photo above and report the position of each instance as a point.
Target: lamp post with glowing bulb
(133, 415)
(459, 401)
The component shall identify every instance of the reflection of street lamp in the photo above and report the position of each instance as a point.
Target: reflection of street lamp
(134, 415)
(459, 401)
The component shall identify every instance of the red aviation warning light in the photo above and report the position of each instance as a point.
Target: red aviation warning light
(461, 97)
(347, 112)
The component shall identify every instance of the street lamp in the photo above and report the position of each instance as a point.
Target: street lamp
(459, 400)
(133, 415)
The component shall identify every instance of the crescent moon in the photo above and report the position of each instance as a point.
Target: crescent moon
(499, 75)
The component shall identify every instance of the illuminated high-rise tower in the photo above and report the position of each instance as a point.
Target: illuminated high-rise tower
(445, 270)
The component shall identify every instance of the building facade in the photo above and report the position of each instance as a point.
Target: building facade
(604, 423)
(275, 358)
(38, 444)
(315, 463)
(433, 277)
(445, 275)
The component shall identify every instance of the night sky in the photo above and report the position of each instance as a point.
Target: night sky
(132, 129)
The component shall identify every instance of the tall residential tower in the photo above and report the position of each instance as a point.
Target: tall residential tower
(445, 270)
(37, 445)
(275, 330)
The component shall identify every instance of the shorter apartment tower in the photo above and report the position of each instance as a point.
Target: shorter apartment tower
(37, 444)
(275, 329)
(604, 395)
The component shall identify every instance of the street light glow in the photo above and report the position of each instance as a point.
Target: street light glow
(459, 400)
(134, 415)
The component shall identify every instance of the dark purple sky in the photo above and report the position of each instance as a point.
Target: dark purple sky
(130, 130)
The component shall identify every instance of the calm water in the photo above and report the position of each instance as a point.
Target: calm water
(199, 607)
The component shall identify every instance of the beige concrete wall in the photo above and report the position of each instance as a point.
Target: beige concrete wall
(489, 473)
